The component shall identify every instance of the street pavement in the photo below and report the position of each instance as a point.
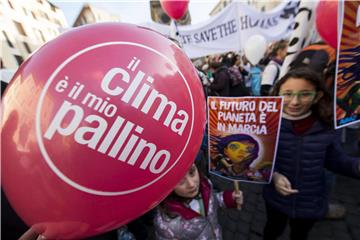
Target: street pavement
(250, 221)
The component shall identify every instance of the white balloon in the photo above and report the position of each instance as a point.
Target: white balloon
(255, 48)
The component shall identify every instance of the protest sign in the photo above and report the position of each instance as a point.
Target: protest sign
(230, 29)
(347, 91)
(243, 135)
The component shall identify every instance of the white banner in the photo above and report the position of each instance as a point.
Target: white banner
(273, 25)
(229, 29)
(217, 35)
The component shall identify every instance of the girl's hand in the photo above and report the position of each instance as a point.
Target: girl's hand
(283, 185)
(30, 234)
(238, 198)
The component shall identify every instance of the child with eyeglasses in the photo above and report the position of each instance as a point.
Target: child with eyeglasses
(307, 145)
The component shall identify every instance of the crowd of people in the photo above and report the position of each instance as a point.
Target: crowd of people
(231, 74)
(308, 145)
(301, 182)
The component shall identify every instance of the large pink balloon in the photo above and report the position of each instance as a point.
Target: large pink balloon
(327, 20)
(175, 9)
(98, 127)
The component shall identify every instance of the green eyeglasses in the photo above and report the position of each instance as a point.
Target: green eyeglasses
(303, 96)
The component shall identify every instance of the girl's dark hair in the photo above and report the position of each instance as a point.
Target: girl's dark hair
(323, 108)
(164, 209)
(229, 59)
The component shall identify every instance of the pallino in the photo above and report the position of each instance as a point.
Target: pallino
(134, 144)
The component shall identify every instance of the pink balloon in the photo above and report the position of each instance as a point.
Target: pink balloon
(175, 9)
(98, 127)
(327, 20)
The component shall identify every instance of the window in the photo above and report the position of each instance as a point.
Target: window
(33, 14)
(10, 4)
(84, 19)
(39, 35)
(53, 8)
(56, 21)
(27, 47)
(20, 28)
(7, 39)
(41, 13)
(19, 59)
(53, 32)
(164, 18)
(42, 36)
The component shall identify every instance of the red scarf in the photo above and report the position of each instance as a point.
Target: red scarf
(302, 125)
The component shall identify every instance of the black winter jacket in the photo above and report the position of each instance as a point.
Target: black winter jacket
(221, 84)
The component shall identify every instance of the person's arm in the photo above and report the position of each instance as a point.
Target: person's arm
(265, 90)
(268, 79)
(229, 199)
(339, 162)
(243, 71)
(164, 227)
(30, 234)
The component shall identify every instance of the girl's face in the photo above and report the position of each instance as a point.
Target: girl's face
(238, 151)
(189, 185)
(299, 95)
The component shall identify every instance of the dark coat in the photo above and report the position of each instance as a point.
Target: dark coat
(302, 158)
(221, 84)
